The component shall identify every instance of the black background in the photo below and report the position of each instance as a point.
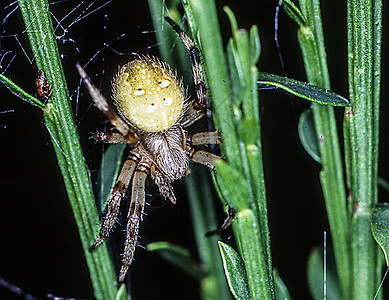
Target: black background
(40, 248)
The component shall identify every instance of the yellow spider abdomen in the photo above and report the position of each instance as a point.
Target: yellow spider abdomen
(148, 95)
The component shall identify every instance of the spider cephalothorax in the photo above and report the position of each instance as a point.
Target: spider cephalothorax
(154, 110)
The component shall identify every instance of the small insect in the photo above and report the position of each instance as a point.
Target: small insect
(44, 90)
(154, 110)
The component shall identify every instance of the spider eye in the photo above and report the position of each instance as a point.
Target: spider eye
(148, 94)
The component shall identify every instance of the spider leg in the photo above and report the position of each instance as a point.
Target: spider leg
(134, 218)
(111, 138)
(227, 222)
(104, 107)
(192, 116)
(204, 138)
(197, 70)
(114, 200)
(205, 158)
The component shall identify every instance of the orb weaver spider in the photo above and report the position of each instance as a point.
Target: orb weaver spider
(153, 111)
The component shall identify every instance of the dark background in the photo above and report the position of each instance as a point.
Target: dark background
(40, 248)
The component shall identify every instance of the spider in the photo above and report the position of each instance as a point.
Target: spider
(154, 110)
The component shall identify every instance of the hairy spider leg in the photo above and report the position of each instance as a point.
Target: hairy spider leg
(197, 70)
(134, 218)
(111, 138)
(227, 222)
(115, 198)
(104, 107)
(205, 158)
(203, 138)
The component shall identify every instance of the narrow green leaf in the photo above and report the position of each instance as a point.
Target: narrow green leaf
(380, 228)
(282, 292)
(108, 173)
(293, 12)
(19, 92)
(315, 270)
(307, 134)
(232, 19)
(235, 272)
(252, 247)
(303, 90)
(122, 293)
(178, 256)
(383, 183)
(248, 131)
(233, 185)
(255, 45)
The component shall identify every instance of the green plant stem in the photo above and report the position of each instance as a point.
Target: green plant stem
(213, 286)
(364, 29)
(235, 113)
(60, 125)
(311, 41)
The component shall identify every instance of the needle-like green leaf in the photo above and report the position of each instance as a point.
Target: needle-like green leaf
(303, 90)
(178, 256)
(235, 272)
(380, 228)
(307, 133)
(19, 92)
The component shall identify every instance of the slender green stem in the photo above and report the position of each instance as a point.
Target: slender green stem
(213, 286)
(60, 125)
(364, 29)
(311, 41)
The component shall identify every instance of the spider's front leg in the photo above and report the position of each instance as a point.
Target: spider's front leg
(116, 196)
(111, 138)
(201, 92)
(102, 104)
(203, 157)
(134, 218)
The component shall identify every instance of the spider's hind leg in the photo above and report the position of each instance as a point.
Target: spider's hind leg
(134, 218)
(114, 200)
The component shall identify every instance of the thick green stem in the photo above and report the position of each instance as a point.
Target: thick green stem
(232, 80)
(59, 121)
(364, 29)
